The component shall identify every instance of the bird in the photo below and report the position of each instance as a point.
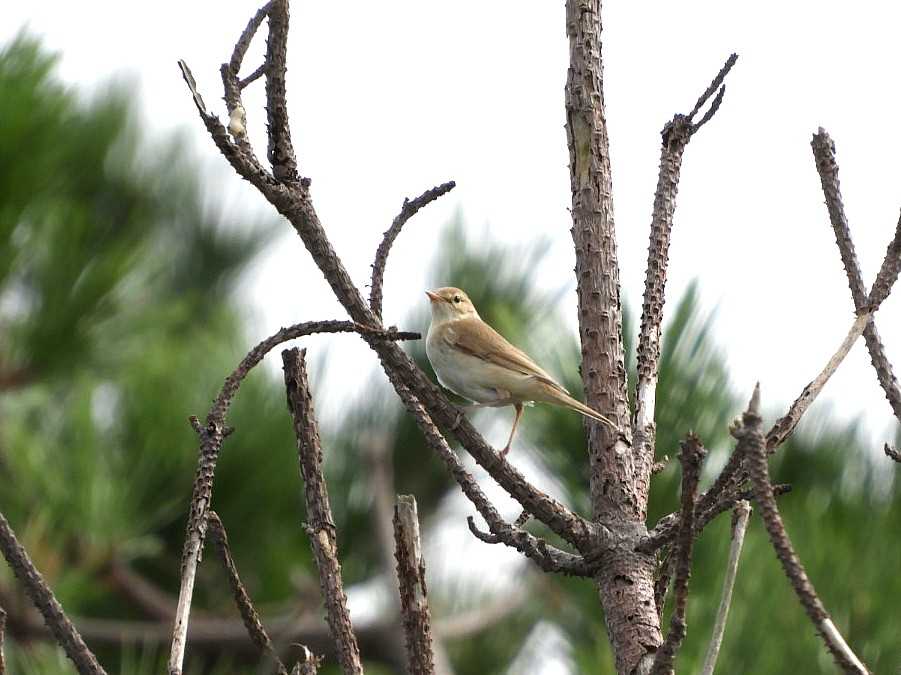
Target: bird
(477, 363)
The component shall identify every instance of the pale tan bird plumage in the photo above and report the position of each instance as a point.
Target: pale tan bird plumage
(476, 362)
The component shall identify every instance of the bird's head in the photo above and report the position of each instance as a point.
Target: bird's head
(450, 304)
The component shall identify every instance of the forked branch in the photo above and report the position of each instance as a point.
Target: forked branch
(827, 167)
(675, 135)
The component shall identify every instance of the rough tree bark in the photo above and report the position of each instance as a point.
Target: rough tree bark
(619, 479)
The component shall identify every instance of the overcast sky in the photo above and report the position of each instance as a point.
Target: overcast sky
(388, 99)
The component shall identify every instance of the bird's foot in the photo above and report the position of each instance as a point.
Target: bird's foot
(504, 452)
(460, 417)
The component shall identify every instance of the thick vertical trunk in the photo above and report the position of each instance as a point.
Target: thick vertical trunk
(618, 479)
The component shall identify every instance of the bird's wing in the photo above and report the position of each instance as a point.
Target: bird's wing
(478, 339)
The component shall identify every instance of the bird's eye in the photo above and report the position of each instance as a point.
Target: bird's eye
(457, 299)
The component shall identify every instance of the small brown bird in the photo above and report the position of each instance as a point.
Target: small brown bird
(475, 361)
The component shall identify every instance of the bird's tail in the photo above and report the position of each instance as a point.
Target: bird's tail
(569, 402)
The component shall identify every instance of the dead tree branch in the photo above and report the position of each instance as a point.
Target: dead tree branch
(786, 425)
(547, 557)
(827, 167)
(211, 438)
(320, 526)
(691, 455)
(42, 597)
(740, 517)
(675, 135)
(885, 279)
(791, 564)
(414, 602)
(248, 612)
(407, 211)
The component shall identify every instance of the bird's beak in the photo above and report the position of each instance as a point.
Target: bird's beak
(434, 297)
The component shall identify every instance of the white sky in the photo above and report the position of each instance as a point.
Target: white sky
(388, 99)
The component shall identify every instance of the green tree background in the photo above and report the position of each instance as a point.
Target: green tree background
(118, 319)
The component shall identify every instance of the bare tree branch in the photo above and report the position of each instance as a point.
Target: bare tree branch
(597, 265)
(414, 602)
(791, 565)
(249, 615)
(675, 135)
(544, 555)
(407, 211)
(786, 425)
(321, 527)
(42, 597)
(827, 167)
(740, 517)
(211, 437)
(691, 455)
(280, 151)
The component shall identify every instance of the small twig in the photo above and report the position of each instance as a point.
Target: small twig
(892, 453)
(691, 455)
(253, 77)
(280, 151)
(414, 603)
(740, 517)
(791, 565)
(42, 597)
(786, 425)
(321, 527)
(543, 554)
(827, 167)
(211, 437)
(248, 612)
(675, 136)
(407, 211)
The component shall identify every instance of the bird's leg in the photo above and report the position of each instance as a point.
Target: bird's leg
(516, 419)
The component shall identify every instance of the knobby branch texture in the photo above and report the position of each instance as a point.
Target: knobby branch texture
(675, 136)
(791, 564)
(320, 527)
(827, 168)
(691, 455)
(42, 597)
(414, 602)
